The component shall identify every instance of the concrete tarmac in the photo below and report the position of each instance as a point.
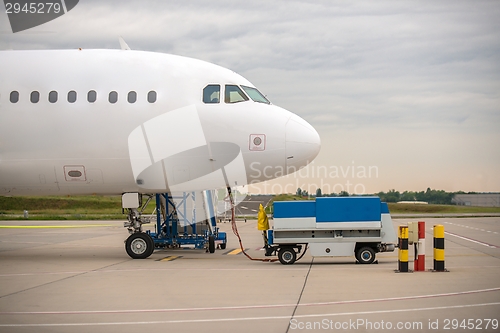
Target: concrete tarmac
(75, 276)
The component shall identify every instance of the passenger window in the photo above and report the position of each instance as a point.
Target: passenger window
(132, 97)
(72, 96)
(91, 96)
(152, 96)
(234, 94)
(53, 96)
(113, 97)
(14, 97)
(211, 94)
(34, 97)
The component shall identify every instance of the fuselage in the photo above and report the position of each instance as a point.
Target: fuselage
(115, 121)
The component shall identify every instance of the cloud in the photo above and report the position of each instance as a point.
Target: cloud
(425, 68)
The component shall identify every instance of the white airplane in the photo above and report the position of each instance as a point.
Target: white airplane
(77, 122)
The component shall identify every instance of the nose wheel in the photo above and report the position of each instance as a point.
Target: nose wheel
(139, 245)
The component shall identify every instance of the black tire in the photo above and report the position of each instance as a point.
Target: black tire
(153, 245)
(211, 244)
(223, 246)
(365, 255)
(287, 255)
(139, 245)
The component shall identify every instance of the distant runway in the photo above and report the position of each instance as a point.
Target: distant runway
(74, 276)
(249, 206)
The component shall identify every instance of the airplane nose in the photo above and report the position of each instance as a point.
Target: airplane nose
(302, 143)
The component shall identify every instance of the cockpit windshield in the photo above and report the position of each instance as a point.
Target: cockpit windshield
(234, 94)
(211, 94)
(255, 95)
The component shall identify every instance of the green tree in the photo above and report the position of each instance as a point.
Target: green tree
(392, 196)
(408, 196)
(429, 195)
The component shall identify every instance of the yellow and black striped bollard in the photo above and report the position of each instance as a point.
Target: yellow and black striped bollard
(403, 249)
(439, 248)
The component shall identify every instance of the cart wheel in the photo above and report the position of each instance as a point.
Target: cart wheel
(287, 255)
(223, 246)
(211, 244)
(139, 245)
(365, 255)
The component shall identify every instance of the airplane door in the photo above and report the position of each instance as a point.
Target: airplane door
(27, 177)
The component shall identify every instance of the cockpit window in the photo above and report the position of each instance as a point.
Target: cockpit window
(255, 95)
(233, 94)
(211, 94)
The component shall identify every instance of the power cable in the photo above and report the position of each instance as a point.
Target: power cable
(234, 227)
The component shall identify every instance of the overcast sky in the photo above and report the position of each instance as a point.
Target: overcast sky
(405, 93)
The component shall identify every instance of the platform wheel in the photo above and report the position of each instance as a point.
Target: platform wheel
(211, 244)
(223, 246)
(287, 255)
(139, 245)
(365, 255)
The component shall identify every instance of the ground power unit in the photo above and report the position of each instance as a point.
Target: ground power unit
(331, 227)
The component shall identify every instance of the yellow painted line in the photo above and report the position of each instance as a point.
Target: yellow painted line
(170, 258)
(53, 226)
(235, 251)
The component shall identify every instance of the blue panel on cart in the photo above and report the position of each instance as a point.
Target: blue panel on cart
(348, 209)
(270, 237)
(289, 209)
(384, 209)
